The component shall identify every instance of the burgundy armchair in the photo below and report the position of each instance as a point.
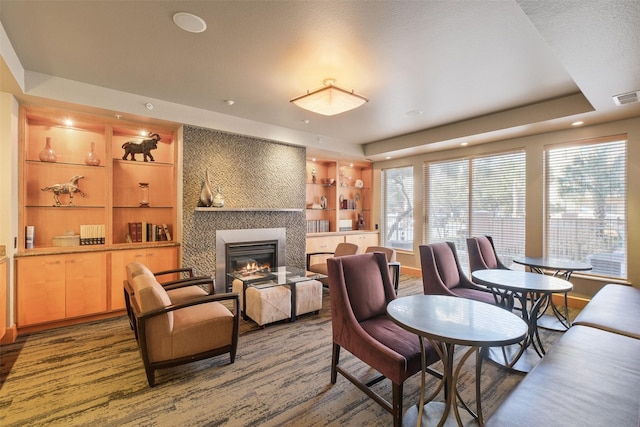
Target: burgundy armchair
(442, 274)
(482, 254)
(360, 289)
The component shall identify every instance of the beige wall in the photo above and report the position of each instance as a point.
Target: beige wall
(534, 148)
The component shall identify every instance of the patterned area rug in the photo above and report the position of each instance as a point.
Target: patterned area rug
(92, 374)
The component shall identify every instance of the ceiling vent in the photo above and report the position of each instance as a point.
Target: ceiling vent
(626, 98)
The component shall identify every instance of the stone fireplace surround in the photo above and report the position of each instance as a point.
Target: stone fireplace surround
(253, 173)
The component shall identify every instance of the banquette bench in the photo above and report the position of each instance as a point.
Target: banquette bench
(591, 376)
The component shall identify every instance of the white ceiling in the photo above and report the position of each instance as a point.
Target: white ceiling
(477, 71)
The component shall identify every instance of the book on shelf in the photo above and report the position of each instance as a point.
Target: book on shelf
(317, 225)
(148, 232)
(167, 235)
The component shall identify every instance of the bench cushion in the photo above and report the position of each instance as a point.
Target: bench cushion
(613, 308)
(589, 377)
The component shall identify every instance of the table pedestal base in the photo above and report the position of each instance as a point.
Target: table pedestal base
(432, 414)
(505, 356)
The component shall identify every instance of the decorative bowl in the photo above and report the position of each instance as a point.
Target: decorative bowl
(328, 181)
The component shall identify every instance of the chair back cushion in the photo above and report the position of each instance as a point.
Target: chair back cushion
(365, 288)
(150, 296)
(446, 264)
(346, 249)
(135, 268)
(487, 251)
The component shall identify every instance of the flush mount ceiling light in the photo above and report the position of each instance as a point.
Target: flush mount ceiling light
(189, 22)
(329, 100)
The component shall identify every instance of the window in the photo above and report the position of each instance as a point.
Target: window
(397, 208)
(586, 205)
(477, 196)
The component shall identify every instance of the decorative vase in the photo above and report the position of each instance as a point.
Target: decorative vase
(218, 201)
(206, 194)
(47, 154)
(144, 194)
(92, 158)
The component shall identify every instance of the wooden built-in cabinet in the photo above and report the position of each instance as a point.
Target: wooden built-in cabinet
(327, 242)
(56, 279)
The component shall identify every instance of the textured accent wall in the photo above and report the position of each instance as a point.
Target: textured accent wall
(252, 173)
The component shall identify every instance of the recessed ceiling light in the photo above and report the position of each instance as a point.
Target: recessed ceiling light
(464, 144)
(149, 106)
(68, 122)
(189, 22)
(578, 123)
(414, 113)
(388, 157)
(229, 102)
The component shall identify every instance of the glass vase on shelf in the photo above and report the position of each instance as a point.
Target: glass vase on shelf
(144, 194)
(92, 158)
(47, 154)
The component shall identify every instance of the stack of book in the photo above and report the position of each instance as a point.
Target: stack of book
(317, 225)
(147, 232)
(92, 234)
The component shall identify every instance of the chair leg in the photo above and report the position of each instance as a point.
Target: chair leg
(397, 404)
(150, 377)
(335, 357)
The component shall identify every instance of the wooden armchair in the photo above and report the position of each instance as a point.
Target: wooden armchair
(321, 267)
(187, 286)
(173, 333)
(360, 289)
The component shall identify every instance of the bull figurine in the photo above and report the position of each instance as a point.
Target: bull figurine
(132, 148)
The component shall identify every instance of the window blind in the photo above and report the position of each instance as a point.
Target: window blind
(585, 189)
(397, 208)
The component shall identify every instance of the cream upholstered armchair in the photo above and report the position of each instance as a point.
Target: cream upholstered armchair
(171, 333)
(321, 266)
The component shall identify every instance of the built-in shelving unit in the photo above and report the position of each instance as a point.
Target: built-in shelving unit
(57, 277)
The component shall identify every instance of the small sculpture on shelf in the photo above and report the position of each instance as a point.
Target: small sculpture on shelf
(132, 148)
(206, 194)
(360, 225)
(92, 158)
(69, 188)
(144, 194)
(314, 176)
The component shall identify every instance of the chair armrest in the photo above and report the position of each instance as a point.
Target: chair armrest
(189, 270)
(195, 281)
(230, 296)
(310, 254)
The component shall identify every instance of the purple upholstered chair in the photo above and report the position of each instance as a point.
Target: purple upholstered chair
(482, 254)
(442, 274)
(360, 288)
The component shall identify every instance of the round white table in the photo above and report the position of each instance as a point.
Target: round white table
(562, 268)
(447, 321)
(532, 290)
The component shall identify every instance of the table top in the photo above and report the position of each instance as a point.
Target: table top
(521, 281)
(553, 263)
(276, 276)
(457, 320)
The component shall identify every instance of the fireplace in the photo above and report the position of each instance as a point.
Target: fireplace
(249, 257)
(246, 250)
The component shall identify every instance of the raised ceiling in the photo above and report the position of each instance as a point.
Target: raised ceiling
(441, 72)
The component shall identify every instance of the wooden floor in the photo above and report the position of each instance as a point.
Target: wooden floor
(92, 374)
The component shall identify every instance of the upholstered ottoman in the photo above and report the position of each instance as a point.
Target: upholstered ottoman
(266, 304)
(308, 297)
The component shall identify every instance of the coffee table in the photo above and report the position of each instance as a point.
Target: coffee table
(562, 268)
(532, 290)
(278, 276)
(447, 321)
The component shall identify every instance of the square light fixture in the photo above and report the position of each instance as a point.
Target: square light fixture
(329, 100)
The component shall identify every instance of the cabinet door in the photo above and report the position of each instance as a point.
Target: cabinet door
(159, 259)
(363, 240)
(40, 289)
(119, 261)
(323, 243)
(86, 284)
